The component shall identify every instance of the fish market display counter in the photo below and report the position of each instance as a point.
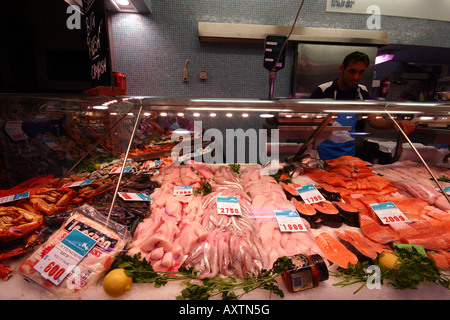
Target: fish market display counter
(188, 187)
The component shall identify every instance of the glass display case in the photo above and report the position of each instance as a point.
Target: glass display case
(50, 134)
(70, 150)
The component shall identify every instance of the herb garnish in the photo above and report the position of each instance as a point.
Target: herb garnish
(413, 269)
(443, 178)
(205, 187)
(235, 167)
(196, 288)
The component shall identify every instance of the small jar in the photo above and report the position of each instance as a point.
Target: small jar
(306, 272)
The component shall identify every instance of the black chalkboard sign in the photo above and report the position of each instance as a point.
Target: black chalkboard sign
(95, 25)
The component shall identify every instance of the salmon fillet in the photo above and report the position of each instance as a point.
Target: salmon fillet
(335, 251)
(376, 232)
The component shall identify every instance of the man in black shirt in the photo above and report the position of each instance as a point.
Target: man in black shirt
(347, 87)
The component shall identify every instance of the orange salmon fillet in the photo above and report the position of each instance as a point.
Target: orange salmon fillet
(335, 251)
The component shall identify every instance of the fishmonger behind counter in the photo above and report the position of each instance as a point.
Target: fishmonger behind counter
(347, 87)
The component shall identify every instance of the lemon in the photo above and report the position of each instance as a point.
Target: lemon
(389, 260)
(116, 283)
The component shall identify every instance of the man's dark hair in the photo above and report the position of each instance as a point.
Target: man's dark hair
(355, 57)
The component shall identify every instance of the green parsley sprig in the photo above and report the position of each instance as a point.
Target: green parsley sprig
(197, 288)
(413, 269)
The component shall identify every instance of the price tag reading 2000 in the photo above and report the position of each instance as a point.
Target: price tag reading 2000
(388, 212)
(289, 221)
(228, 206)
(310, 194)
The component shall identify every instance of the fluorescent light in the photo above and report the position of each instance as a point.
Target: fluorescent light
(383, 58)
(229, 115)
(237, 109)
(245, 115)
(372, 111)
(123, 2)
(100, 107)
(233, 100)
(266, 115)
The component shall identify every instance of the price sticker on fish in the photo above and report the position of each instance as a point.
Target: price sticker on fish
(228, 206)
(183, 190)
(289, 221)
(388, 212)
(310, 194)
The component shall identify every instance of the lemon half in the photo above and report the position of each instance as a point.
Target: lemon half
(116, 283)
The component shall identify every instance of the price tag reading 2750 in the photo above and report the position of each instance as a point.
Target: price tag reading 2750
(388, 213)
(310, 194)
(228, 206)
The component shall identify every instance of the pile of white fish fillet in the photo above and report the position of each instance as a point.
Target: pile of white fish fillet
(188, 231)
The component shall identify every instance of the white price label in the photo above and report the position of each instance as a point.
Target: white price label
(60, 261)
(119, 169)
(49, 142)
(310, 194)
(228, 206)
(15, 197)
(290, 221)
(14, 130)
(130, 196)
(78, 183)
(388, 213)
(153, 164)
(447, 190)
(183, 190)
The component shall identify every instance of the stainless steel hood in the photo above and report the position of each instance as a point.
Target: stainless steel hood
(319, 63)
(211, 31)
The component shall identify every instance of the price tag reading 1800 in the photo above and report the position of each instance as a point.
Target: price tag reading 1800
(228, 206)
(388, 213)
(310, 194)
(289, 221)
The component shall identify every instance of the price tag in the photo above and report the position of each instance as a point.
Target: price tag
(60, 261)
(131, 196)
(153, 164)
(388, 212)
(228, 206)
(14, 130)
(289, 221)
(447, 190)
(15, 197)
(119, 169)
(78, 183)
(183, 190)
(49, 142)
(310, 194)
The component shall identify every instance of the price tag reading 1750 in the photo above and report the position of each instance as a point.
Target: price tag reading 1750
(228, 206)
(310, 194)
(289, 221)
(388, 213)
